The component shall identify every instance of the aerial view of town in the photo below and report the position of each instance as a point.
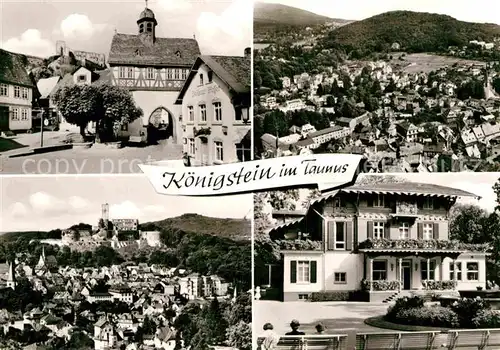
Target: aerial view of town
(412, 91)
(82, 92)
(395, 261)
(103, 268)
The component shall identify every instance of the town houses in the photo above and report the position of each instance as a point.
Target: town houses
(198, 103)
(216, 110)
(16, 93)
(384, 239)
(385, 106)
(148, 294)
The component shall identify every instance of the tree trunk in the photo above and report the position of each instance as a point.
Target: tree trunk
(82, 130)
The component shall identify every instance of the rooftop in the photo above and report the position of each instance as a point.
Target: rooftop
(235, 71)
(13, 69)
(128, 49)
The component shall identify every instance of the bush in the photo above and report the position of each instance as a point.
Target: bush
(468, 309)
(486, 319)
(435, 316)
(330, 296)
(380, 285)
(439, 285)
(413, 302)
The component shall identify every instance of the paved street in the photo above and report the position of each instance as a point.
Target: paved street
(337, 317)
(90, 161)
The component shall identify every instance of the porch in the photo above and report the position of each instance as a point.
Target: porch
(399, 270)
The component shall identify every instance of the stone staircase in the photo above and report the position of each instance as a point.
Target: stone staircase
(396, 295)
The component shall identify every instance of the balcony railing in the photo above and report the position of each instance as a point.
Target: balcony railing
(431, 244)
(306, 245)
(406, 209)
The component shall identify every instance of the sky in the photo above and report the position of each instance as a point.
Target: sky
(50, 202)
(32, 27)
(482, 11)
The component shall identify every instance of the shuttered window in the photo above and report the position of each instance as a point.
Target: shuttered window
(340, 235)
(303, 272)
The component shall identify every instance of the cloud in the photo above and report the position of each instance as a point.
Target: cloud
(18, 210)
(79, 203)
(175, 5)
(30, 43)
(44, 203)
(77, 26)
(232, 27)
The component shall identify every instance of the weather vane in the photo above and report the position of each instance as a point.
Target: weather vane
(146, 3)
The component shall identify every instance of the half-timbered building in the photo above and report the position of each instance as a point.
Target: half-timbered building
(154, 70)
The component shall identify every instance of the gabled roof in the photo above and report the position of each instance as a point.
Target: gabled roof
(235, 71)
(13, 69)
(412, 188)
(127, 49)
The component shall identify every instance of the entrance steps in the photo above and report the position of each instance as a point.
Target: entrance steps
(396, 295)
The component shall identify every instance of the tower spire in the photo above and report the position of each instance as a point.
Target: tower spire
(146, 3)
(11, 278)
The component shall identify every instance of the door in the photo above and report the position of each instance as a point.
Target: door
(203, 153)
(406, 275)
(4, 118)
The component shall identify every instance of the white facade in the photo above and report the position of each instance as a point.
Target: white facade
(17, 101)
(207, 106)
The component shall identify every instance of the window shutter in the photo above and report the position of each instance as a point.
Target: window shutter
(314, 269)
(420, 230)
(348, 235)
(435, 231)
(293, 272)
(331, 235)
(370, 229)
(387, 230)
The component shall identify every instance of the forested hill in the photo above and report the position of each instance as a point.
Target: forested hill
(265, 13)
(413, 31)
(235, 229)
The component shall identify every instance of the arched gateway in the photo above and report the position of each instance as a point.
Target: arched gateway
(161, 125)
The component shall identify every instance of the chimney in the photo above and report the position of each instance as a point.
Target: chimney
(248, 52)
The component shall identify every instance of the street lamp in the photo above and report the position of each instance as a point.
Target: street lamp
(245, 115)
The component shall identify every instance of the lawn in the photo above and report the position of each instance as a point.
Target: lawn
(9, 145)
(424, 62)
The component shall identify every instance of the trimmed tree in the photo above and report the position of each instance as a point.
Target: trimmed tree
(107, 105)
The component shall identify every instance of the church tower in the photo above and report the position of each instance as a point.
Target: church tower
(41, 261)
(11, 277)
(147, 25)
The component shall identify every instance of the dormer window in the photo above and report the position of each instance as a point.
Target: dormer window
(201, 79)
(210, 75)
(178, 54)
(137, 52)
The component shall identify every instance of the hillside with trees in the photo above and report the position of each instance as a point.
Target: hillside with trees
(266, 13)
(413, 31)
(236, 229)
(201, 244)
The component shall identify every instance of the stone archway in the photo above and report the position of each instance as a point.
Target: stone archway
(161, 125)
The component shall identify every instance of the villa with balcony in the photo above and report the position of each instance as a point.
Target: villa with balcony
(385, 239)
